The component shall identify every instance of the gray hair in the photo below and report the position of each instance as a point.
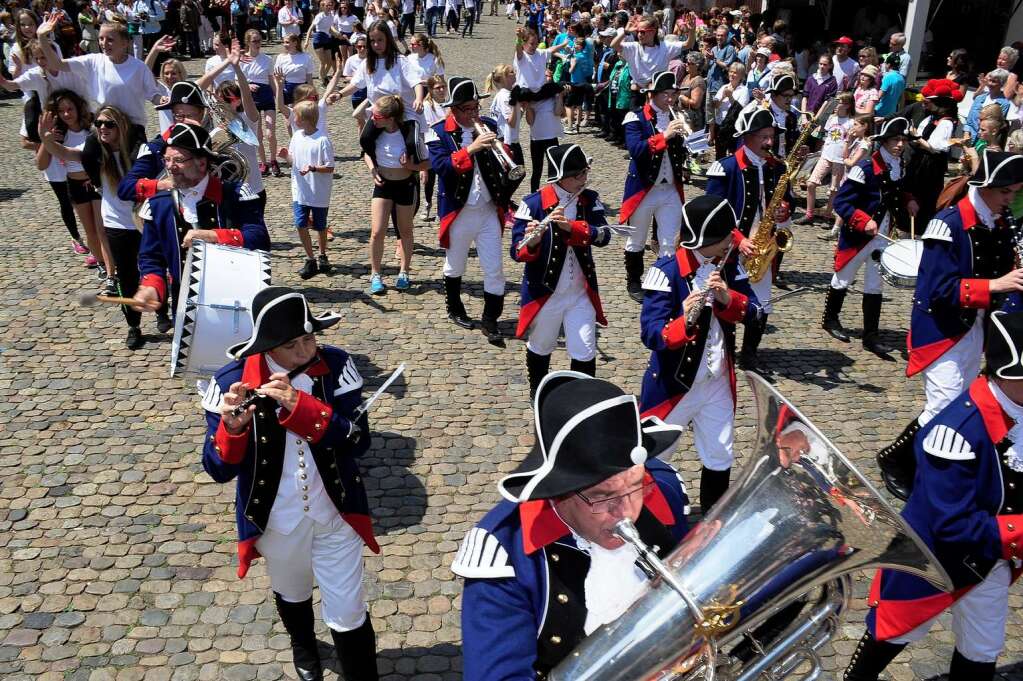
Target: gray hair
(695, 58)
(899, 39)
(1001, 75)
(1011, 54)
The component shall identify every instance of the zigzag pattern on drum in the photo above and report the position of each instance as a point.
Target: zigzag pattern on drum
(193, 266)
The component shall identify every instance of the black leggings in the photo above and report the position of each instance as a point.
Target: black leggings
(537, 156)
(67, 211)
(431, 181)
(124, 247)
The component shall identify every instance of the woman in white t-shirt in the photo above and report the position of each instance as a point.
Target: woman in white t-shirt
(289, 18)
(425, 54)
(501, 80)
(433, 113)
(37, 80)
(295, 65)
(732, 93)
(351, 67)
(55, 173)
(543, 115)
(345, 25)
(319, 36)
(218, 59)
(386, 72)
(258, 66)
(831, 161)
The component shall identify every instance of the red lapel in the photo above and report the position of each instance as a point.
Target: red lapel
(879, 164)
(996, 422)
(256, 372)
(540, 525)
(548, 197)
(686, 262)
(967, 213)
(450, 124)
(214, 189)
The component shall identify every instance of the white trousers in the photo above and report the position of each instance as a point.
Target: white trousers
(477, 224)
(575, 313)
(952, 373)
(661, 202)
(332, 554)
(710, 410)
(978, 618)
(871, 279)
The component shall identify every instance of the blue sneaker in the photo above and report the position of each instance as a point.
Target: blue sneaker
(403, 283)
(376, 285)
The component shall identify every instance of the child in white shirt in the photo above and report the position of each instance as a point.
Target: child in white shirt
(831, 161)
(312, 173)
(857, 148)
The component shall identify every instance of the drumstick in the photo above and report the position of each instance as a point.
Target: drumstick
(912, 226)
(90, 299)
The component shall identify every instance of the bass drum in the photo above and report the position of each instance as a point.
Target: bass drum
(213, 307)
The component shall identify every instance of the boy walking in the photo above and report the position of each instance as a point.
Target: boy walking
(312, 174)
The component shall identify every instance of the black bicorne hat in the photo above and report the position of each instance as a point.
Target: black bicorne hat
(998, 169)
(565, 160)
(191, 138)
(1005, 346)
(587, 430)
(279, 314)
(753, 118)
(706, 220)
(662, 80)
(781, 82)
(895, 127)
(461, 90)
(184, 92)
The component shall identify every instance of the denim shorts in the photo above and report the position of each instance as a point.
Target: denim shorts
(304, 213)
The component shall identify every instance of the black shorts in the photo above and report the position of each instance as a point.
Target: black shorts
(402, 192)
(577, 94)
(82, 191)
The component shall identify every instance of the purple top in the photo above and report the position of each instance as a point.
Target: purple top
(816, 93)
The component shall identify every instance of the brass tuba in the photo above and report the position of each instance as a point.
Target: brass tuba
(761, 583)
(232, 165)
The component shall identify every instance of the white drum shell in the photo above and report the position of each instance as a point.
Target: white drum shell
(900, 262)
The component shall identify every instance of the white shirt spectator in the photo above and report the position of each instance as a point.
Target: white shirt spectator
(546, 125)
(845, 72)
(427, 64)
(311, 189)
(285, 16)
(225, 76)
(322, 22)
(501, 110)
(401, 79)
(531, 69)
(257, 69)
(126, 85)
(321, 122)
(345, 24)
(723, 103)
(297, 68)
(644, 62)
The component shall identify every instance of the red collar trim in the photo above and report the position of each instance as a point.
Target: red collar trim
(255, 372)
(649, 112)
(879, 164)
(548, 197)
(450, 124)
(214, 189)
(686, 262)
(967, 213)
(996, 422)
(657, 504)
(740, 158)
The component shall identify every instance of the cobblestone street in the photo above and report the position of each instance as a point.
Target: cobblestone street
(117, 552)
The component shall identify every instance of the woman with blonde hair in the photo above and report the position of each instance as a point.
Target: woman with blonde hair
(433, 113)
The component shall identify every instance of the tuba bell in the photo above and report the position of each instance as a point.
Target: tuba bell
(759, 585)
(232, 166)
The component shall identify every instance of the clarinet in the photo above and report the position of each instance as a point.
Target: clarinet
(251, 399)
(694, 312)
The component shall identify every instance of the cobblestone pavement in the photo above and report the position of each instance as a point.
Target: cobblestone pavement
(117, 552)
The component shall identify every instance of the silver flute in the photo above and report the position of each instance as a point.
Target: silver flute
(542, 225)
(694, 312)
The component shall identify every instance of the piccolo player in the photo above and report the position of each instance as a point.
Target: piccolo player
(300, 500)
(553, 234)
(968, 265)
(694, 299)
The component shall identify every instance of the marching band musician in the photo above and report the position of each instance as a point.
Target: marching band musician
(691, 306)
(198, 206)
(781, 90)
(655, 138)
(968, 255)
(870, 203)
(747, 180)
(966, 506)
(542, 569)
(300, 500)
(559, 285)
(473, 197)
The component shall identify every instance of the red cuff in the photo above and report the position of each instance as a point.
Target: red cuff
(462, 161)
(737, 237)
(1010, 528)
(580, 234)
(157, 282)
(230, 448)
(736, 308)
(310, 418)
(975, 293)
(230, 237)
(526, 255)
(859, 220)
(145, 189)
(675, 334)
(657, 143)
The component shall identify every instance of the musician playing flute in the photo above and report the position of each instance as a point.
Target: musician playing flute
(747, 180)
(970, 263)
(655, 138)
(694, 299)
(967, 506)
(473, 197)
(555, 230)
(294, 452)
(870, 202)
(198, 206)
(542, 569)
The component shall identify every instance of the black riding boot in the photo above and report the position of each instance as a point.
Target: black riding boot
(357, 652)
(871, 323)
(453, 295)
(870, 658)
(299, 622)
(713, 485)
(634, 275)
(832, 309)
(753, 332)
(589, 367)
(493, 306)
(897, 462)
(962, 669)
(537, 367)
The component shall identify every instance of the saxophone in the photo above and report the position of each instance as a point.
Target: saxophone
(769, 240)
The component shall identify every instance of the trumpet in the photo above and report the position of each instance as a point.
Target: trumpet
(542, 225)
(515, 171)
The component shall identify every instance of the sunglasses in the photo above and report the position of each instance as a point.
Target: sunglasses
(104, 123)
(380, 117)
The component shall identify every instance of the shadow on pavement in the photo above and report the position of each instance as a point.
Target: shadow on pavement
(824, 368)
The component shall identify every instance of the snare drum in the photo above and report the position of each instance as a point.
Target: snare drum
(218, 284)
(900, 262)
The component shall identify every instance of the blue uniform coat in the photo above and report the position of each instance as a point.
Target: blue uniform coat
(647, 148)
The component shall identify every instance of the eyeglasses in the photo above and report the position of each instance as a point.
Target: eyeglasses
(606, 505)
(105, 123)
(646, 30)
(467, 108)
(177, 160)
